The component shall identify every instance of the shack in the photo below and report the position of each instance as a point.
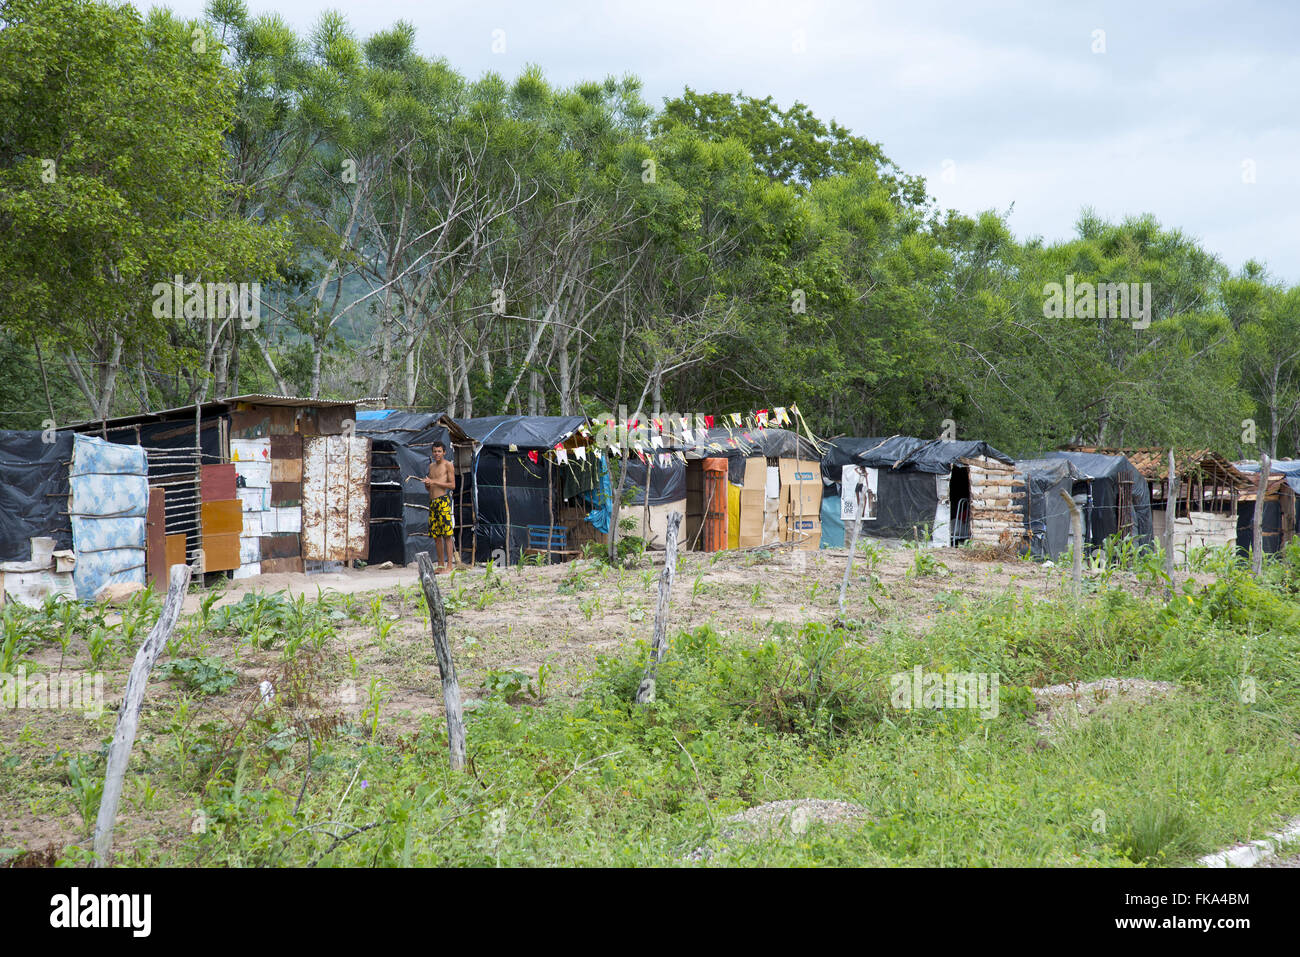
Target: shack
(772, 488)
(1113, 495)
(540, 487)
(1278, 523)
(401, 449)
(940, 491)
(249, 484)
(1206, 514)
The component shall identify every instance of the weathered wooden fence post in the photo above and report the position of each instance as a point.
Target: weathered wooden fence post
(128, 719)
(646, 691)
(1171, 519)
(1076, 529)
(1261, 492)
(848, 566)
(446, 668)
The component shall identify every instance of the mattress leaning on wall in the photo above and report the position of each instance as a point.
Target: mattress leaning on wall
(109, 503)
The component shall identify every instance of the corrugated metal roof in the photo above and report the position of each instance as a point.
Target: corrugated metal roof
(259, 398)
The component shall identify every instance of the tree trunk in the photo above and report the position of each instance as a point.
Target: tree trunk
(446, 667)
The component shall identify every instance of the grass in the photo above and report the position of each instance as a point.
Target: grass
(744, 713)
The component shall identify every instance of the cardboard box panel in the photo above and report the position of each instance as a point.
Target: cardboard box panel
(799, 470)
(755, 473)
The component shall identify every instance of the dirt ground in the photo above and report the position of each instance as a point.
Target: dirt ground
(550, 623)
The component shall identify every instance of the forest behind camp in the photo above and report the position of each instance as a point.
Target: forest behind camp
(491, 244)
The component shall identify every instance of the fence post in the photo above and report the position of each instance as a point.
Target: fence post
(646, 691)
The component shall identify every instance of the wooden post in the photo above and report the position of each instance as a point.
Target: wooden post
(550, 506)
(848, 566)
(505, 500)
(1076, 528)
(1257, 545)
(646, 692)
(446, 668)
(1171, 518)
(128, 719)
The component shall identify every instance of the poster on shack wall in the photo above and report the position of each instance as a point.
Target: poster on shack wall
(860, 496)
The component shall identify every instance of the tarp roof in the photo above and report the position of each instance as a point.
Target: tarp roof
(521, 431)
(1091, 465)
(840, 452)
(1288, 468)
(772, 443)
(926, 455)
(409, 427)
(1153, 463)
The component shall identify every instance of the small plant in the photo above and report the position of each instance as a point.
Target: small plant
(924, 564)
(87, 788)
(543, 678)
(208, 675)
(756, 593)
(589, 607)
(376, 694)
(506, 684)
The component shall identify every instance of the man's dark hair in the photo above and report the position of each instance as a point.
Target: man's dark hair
(441, 446)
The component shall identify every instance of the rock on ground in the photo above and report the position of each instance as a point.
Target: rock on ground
(778, 818)
(1067, 705)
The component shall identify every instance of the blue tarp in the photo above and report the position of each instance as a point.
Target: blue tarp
(832, 523)
(110, 498)
(600, 498)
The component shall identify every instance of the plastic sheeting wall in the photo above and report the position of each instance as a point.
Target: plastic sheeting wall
(110, 499)
(33, 491)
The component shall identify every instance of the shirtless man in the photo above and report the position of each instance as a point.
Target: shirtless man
(440, 482)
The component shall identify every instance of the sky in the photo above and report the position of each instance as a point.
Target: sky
(1187, 111)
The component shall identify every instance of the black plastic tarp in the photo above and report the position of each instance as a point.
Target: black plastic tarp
(403, 443)
(905, 506)
(839, 453)
(936, 456)
(33, 491)
(667, 482)
(1049, 515)
(521, 431)
(530, 501)
(1100, 477)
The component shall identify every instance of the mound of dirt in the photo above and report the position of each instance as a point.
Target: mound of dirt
(777, 819)
(1068, 705)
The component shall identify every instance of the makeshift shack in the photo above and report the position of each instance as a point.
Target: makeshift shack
(1113, 495)
(1279, 518)
(837, 453)
(773, 488)
(940, 491)
(540, 487)
(1048, 519)
(1209, 486)
(250, 484)
(401, 450)
(653, 489)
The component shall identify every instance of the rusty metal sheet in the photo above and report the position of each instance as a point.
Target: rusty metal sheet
(222, 518)
(250, 424)
(156, 539)
(335, 497)
(286, 470)
(217, 482)
(286, 493)
(272, 565)
(175, 550)
(286, 446)
(281, 546)
(220, 551)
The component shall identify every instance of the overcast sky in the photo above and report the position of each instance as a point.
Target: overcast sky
(1187, 110)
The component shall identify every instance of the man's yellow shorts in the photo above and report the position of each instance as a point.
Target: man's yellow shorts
(440, 523)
